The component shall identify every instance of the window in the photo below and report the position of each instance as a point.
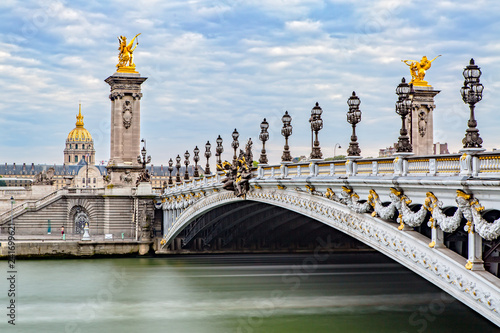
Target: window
(69, 158)
(76, 158)
(76, 145)
(94, 180)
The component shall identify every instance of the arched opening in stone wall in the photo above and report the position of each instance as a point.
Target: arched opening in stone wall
(79, 217)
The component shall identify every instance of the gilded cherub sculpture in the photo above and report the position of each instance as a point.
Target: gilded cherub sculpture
(418, 68)
(125, 55)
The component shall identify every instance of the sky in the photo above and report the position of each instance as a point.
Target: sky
(214, 66)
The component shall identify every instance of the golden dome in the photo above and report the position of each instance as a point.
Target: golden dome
(79, 133)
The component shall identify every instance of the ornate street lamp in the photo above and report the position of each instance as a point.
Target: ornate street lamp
(264, 136)
(286, 131)
(472, 92)
(235, 144)
(353, 117)
(403, 107)
(219, 150)
(196, 158)
(207, 155)
(170, 169)
(316, 126)
(186, 162)
(143, 176)
(144, 160)
(178, 166)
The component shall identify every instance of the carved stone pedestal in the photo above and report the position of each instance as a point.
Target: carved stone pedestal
(469, 162)
(351, 165)
(123, 167)
(421, 127)
(313, 166)
(144, 189)
(401, 164)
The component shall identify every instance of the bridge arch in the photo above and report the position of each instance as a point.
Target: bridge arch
(252, 225)
(440, 266)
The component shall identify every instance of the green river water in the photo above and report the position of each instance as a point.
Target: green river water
(231, 293)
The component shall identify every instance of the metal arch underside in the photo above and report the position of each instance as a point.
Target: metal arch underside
(479, 290)
(260, 225)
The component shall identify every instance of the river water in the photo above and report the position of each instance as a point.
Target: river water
(232, 293)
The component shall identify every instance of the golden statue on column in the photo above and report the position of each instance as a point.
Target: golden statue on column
(418, 68)
(125, 55)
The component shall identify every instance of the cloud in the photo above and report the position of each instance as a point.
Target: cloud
(303, 26)
(213, 66)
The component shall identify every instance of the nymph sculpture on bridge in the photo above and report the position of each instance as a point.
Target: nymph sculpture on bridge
(239, 173)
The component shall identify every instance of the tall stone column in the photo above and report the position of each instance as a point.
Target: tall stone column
(421, 120)
(123, 167)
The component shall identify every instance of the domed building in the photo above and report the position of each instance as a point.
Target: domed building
(79, 144)
(78, 169)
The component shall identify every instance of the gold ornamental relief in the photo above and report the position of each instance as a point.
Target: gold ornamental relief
(125, 55)
(417, 70)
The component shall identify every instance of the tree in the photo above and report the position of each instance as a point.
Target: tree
(338, 157)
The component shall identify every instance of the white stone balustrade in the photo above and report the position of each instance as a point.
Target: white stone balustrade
(486, 165)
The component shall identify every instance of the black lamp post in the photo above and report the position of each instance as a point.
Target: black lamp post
(235, 144)
(178, 166)
(316, 126)
(286, 131)
(143, 161)
(403, 107)
(196, 158)
(353, 117)
(170, 169)
(186, 162)
(472, 92)
(207, 155)
(12, 202)
(219, 150)
(264, 136)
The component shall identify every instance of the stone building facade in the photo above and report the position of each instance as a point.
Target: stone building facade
(79, 144)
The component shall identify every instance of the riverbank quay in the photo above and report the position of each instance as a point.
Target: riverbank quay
(49, 246)
(53, 246)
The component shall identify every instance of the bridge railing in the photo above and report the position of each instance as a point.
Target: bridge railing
(4, 217)
(489, 163)
(471, 164)
(84, 190)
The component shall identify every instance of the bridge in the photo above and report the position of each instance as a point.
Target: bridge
(436, 215)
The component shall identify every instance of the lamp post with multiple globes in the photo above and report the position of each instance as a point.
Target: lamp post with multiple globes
(286, 131)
